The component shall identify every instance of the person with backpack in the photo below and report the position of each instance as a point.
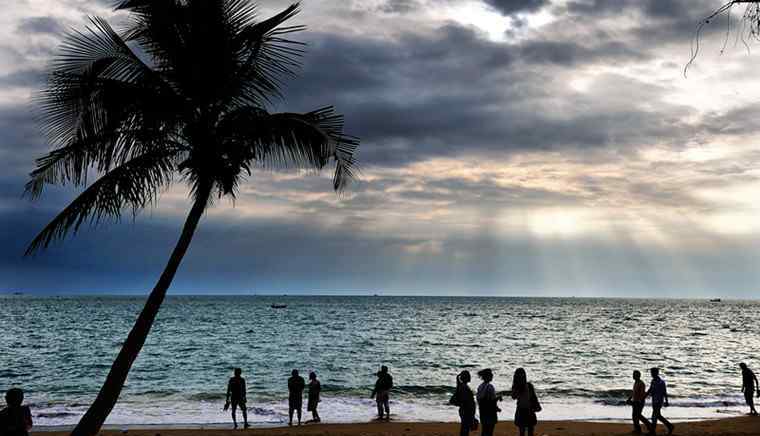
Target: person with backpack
(464, 399)
(527, 402)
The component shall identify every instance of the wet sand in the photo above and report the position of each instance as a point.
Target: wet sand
(741, 426)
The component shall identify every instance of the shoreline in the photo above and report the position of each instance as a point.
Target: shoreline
(734, 426)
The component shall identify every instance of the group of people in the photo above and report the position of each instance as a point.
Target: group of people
(488, 403)
(486, 400)
(16, 419)
(236, 397)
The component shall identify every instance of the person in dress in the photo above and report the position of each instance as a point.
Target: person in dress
(463, 397)
(658, 390)
(487, 403)
(637, 400)
(236, 397)
(527, 402)
(296, 385)
(15, 419)
(314, 390)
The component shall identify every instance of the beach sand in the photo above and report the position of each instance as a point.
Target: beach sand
(740, 426)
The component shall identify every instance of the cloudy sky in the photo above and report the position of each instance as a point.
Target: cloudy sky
(509, 147)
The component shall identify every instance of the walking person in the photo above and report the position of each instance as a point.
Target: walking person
(381, 393)
(236, 397)
(658, 390)
(464, 398)
(296, 385)
(314, 390)
(527, 403)
(637, 400)
(487, 403)
(749, 386)
(15, 419)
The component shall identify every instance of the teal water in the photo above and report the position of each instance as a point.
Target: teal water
(578, 352)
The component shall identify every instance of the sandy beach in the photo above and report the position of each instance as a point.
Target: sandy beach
(741, 426)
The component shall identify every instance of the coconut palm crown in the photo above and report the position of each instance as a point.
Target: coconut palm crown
(180, 94)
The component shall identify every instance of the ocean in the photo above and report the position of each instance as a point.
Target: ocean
(579, 353)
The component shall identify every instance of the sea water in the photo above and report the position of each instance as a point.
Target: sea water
(579, 354)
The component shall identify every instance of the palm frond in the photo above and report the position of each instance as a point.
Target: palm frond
(285, 140)
(103, 105)
(135, 184)
(268, 58)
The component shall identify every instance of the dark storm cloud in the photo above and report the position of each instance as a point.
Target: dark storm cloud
(486, 96)
(36, 25)
(413, 94)
(509, 7)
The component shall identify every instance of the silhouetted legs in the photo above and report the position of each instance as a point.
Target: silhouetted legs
(657, 415)
(486, 428)
(529, 431)
(242, 409)
(467, 420)
(749, 396)
(638, 408)
(383, 405)
(294, 407)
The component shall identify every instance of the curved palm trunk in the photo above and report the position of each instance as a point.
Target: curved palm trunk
(96, 415)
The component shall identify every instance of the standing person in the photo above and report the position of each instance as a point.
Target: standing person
(658, 390)
(314, 389)
(749, 385)
(296, 385)
(381, 393)
(487, 400)
(463, 398)
(15, 419)
(236, 397)
(527, 402)
(637, 400)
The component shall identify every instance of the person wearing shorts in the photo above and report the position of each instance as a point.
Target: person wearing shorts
(296, 385)
(236, 397)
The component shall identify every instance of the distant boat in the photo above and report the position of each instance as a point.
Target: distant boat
(18, 293)
(715, 300)
(279, 306)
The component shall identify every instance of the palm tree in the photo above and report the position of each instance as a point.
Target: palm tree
(181, 93)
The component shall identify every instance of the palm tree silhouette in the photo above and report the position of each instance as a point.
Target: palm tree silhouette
(181, 93)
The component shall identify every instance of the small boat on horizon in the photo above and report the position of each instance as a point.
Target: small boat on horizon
(715, 300)
(279, 306)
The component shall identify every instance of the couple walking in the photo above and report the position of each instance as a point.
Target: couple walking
(487, 402)
(658, 391)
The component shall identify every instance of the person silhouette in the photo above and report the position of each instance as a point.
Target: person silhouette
(15, 419)
(637, 400)
(527, 402)
(487, 403)
(464, 398)
(296, 385)
(749, 386)
(381, 393)
(236, 397)
(314, 390)
(658, 390)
